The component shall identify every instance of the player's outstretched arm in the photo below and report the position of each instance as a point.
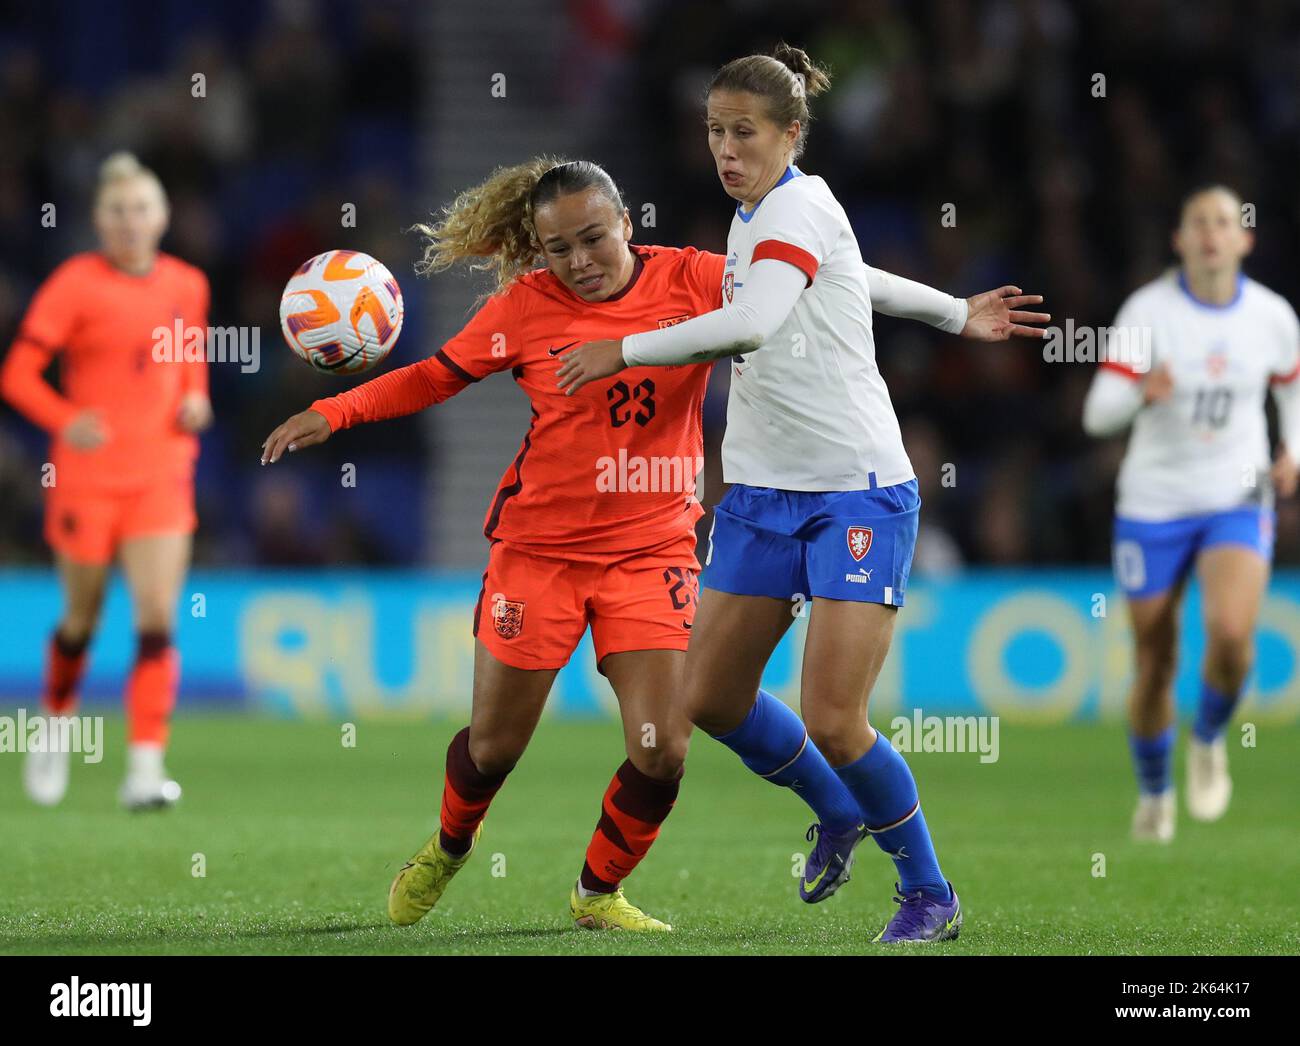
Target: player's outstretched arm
(992, 316)
(302, 430)
(771, 290)
(393, 395)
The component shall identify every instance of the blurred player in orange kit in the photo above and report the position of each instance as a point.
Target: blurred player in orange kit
(123, 447)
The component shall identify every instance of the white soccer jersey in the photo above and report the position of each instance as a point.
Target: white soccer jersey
(809, 410)
(1205, 448)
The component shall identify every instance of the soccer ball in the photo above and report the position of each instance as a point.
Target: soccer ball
(341, 312)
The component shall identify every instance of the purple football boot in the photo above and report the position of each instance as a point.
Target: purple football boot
(921, 919)
(828, 866)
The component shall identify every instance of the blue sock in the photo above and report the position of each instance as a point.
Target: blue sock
(1213, 713)
(1151, 760)
(883, 785)
(773, 742)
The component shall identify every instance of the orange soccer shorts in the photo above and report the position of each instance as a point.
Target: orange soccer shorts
(534, 609)
(87, 525)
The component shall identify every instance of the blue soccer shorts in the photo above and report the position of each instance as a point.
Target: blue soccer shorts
(1151, 558)
(846, 544)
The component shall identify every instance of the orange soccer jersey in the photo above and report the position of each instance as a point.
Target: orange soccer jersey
(104, 322)
(607, 471)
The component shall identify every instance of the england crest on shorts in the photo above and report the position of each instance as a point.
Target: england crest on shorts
(859, 542)
(508, 618)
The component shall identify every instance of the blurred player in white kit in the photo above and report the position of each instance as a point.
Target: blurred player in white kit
(1196, 487)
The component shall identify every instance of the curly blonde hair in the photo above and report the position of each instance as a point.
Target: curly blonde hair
(493, 222)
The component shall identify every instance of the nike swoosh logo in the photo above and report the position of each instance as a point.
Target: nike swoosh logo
(556, 352)
(686, 625)
(812, 884)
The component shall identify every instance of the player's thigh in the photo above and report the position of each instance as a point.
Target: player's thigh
(656, 729)
(846, 646)
(155, 541)
(154, 566)
(1154, 621)
(642, 611)
(731, 643)
(507, 704)
(753, 585)
(84, 585)
(1233, 581)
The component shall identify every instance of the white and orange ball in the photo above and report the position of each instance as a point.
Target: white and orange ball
(341, 312)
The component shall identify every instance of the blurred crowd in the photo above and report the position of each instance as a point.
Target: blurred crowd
(301, 108)
(1060, 182)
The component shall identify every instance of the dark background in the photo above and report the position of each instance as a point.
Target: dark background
(988, 106)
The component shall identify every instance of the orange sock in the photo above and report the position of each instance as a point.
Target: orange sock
(633, 810)
(64, 663)
(151, 689)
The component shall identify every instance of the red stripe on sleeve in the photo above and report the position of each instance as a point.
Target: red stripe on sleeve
(787, 252)
(1285, 379)
(1121, 368)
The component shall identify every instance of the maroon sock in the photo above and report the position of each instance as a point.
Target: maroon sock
(65, 660)
(466, 795)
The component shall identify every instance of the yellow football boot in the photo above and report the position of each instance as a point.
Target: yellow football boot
(423, 878)
(610, 911)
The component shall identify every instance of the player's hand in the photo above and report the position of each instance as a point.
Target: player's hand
(1283, 474)
(1158, 385)
(86, 431)
(590, 362)
(997, 316)
(302, 430)
(195, 413)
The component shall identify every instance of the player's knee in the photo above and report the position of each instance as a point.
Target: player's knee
(1157, 671)
(1229, 650)
(153, 618)
(75, 633)
(839, 742)
(1229, 638)
(494, 756)
(714, 722)
(664, 761)
(1157, 660)
(708, 713)
(81, 616)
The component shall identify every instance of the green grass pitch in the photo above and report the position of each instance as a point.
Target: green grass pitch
(301, 836)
